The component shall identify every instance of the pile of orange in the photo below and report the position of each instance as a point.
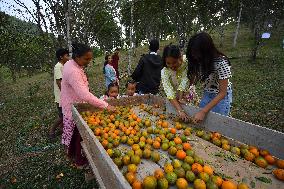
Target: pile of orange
(260, 157)
(146, 138)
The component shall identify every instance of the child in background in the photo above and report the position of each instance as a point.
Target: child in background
(62, 56)
(112, 92)
(130, 89)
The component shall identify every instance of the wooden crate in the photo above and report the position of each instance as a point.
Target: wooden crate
(109, 176)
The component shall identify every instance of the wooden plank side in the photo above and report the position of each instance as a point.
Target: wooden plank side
(244, 132)
(93, 166)
(108, 171)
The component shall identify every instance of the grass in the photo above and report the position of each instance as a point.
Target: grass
(29, 160)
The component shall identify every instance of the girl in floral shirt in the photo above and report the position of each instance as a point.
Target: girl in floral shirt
(174, 78)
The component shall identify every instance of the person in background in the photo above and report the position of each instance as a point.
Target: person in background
(75, 89)
(112, 92)
(210, 66)
(62, 56)
(109, 71)
(130, 88)
(174, 78)
(115, 60)
(147, 74)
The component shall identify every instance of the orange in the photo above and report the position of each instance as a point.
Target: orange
(261, 162)
(180, 154)
(137, 185)
(264, 152)
(177, 140)
(160, 122)
(111, 117)
(199, 184)
(135, 159)
(279, 173)
(147, 123)
(158, 139)
(155, 156)
(243, 186)
(134, 117)
(149, 141)
(217, 180)
(126, 160)
(150, 182)
(162, 116)
(228, 185)
(173, 131)
(186, 146)
(187, 132)
(178, 126)
(269, 159)
(196, 168)
(139, 120)
(254, 151)
(156, 144)
(132, 168)
(110, 152)
(104, 143)
(135, 147)
(168, 167)
(158, 174)
(207, 169)
(216, 135)
(280, 163)
(163, 183)
(249, 156)
(181, 183)
(130, 177)
(165, 124)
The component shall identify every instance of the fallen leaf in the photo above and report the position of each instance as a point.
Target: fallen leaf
(13, 180)
(59, 176)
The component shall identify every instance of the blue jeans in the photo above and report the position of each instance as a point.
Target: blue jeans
(223, 107)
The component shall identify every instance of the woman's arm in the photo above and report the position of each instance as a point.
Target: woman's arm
(75, 80)
(223, 85)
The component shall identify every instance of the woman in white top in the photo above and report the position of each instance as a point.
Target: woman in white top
(207, 64)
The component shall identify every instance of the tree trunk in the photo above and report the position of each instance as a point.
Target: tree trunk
(222, 34)
(130, 40)
(68, 3)
(238, 26)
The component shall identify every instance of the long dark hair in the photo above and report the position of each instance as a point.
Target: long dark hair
(200, 54)
(79, 49)
(106, 62)
(170, 51)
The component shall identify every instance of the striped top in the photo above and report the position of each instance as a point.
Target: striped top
(222, 70)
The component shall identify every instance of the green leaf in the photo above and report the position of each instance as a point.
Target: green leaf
(264, 179)
(252, 184)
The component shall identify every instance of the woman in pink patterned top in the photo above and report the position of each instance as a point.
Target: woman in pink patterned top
(74, 89)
